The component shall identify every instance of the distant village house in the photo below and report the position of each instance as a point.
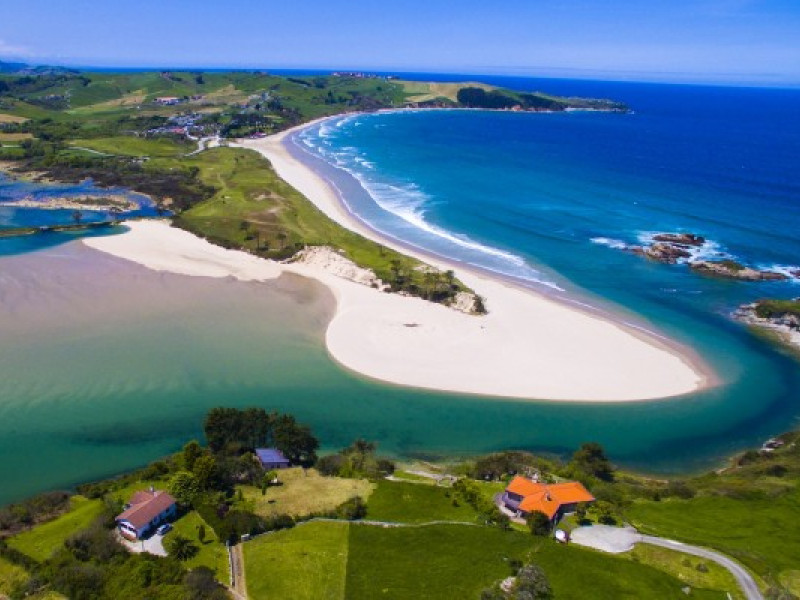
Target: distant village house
(167, 100)
(272, 458)
(145, 512)
(523, 496)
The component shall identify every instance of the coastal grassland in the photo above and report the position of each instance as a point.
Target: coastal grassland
(308, 562)
(303, 492)
(417, 503)
(254, 209)
(762, 533)
(6, 118)
(422, 91)
(136, 146)
(14, 137)
(11, 576)
(459, 561)
(211, 553)
(40, 542)
(692, 570)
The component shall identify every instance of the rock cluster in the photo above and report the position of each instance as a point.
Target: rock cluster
(732, 270)
(670, 248)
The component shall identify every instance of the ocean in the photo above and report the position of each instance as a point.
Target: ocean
(548, 199)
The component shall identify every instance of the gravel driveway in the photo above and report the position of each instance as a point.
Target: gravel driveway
(606, 538)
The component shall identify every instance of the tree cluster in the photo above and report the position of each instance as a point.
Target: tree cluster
(232, 431)
(358, 460)
(470, 492)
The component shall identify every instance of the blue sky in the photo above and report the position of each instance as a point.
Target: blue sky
(738, 41)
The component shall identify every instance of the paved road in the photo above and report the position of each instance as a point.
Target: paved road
(743, 578)
(622, 539)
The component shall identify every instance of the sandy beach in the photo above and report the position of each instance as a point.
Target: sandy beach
(529, 346)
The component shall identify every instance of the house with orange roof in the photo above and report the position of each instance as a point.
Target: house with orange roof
(523, 496)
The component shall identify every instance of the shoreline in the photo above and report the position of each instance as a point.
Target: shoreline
(581, 356)
(279, 149)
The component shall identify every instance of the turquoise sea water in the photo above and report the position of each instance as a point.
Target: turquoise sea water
(106, 366)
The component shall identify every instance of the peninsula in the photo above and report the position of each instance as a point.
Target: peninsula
(253, 200)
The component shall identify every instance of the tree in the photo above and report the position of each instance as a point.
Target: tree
(184, 487)
(201, 585)
(353, 509)
(204, 470)
(294, 440)
(591, 459)
(538, 523)
(181, 547)
(191, 452)
(532, 584)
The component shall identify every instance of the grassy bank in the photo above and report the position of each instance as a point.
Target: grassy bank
(40, 542)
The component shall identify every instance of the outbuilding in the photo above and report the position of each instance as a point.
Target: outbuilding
(272, 458)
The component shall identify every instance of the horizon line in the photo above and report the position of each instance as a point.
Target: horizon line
(533, 72)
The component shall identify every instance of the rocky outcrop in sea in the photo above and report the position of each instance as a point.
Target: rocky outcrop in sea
(778, 316)
(673, 248)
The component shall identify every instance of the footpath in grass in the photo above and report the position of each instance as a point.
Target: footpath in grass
(417, 503)
(40, 542)
(305, 563)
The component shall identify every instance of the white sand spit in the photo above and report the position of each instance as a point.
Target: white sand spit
(528, 346)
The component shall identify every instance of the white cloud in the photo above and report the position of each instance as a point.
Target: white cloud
(14, 50)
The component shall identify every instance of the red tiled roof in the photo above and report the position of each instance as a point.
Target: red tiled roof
(146, 506)
(547, 498)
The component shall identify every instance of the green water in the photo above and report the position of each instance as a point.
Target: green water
(106, 366)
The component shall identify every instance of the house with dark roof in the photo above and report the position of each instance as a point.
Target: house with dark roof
(272, 458)
(523, 496)
(145, 512)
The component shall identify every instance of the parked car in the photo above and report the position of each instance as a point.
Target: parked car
(165, 528)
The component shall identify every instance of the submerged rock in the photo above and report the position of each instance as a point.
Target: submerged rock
(731, 269)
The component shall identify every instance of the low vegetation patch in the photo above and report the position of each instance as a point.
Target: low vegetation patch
(39, 543)
(415, 503)
(303, 492)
